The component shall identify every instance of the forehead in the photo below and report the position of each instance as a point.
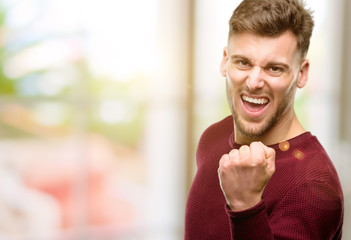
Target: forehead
(262, 49)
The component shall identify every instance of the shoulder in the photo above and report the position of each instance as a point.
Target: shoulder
(214, 141)
(318, 159)
(219, 130)
(307, 160)
(306, 154)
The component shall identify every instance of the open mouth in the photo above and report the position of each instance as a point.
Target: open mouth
(254, 104)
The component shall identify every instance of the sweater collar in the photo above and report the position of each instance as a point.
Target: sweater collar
(293, 141)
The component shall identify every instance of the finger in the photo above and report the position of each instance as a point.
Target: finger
(245, 154)
(234, 155)
(223, 161)
(270, 158)
(269, 152)
(257, 153)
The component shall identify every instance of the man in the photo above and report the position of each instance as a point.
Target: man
(260, 174)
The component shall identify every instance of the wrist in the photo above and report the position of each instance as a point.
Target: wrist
(238, 205)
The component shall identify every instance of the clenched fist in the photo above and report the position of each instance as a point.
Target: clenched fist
(244, 173)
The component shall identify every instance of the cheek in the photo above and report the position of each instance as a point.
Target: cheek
(235, 78)
(283, 91)
(287, 88)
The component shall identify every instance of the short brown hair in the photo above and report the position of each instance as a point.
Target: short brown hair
(272, 18)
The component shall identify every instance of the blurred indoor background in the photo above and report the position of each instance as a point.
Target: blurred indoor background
(102, 103)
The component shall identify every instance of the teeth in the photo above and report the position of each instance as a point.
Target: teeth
(255, 100)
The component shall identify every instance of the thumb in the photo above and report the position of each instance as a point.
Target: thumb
(270, 158)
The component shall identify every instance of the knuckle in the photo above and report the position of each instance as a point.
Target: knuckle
(227, 165)
(223, 162)
(254, 144)
(225, 157)
(233, 153)
(244, 153)
(244, 148)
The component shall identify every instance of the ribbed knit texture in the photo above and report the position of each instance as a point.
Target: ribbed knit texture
(303, 199)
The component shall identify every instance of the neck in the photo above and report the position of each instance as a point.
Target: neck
(285, 129)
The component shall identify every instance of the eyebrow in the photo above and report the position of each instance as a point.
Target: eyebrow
(271, 63)
(236, 56)
(280, 64)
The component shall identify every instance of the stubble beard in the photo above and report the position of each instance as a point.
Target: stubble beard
(257, 132)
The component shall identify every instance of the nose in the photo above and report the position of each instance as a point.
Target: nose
(255, 79)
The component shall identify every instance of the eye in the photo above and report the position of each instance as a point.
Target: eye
(275, 70)
(242, 64)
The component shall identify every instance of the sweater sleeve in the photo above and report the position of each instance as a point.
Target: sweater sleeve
(312, 210)
(252, 223)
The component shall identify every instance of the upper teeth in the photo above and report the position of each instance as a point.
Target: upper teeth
(255, 100)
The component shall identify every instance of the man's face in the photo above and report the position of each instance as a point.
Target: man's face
(262, 75)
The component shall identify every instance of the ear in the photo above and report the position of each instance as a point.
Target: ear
(223, 67)
(303, 74)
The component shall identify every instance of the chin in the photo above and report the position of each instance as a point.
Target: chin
(252, 130)
(253, 133)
